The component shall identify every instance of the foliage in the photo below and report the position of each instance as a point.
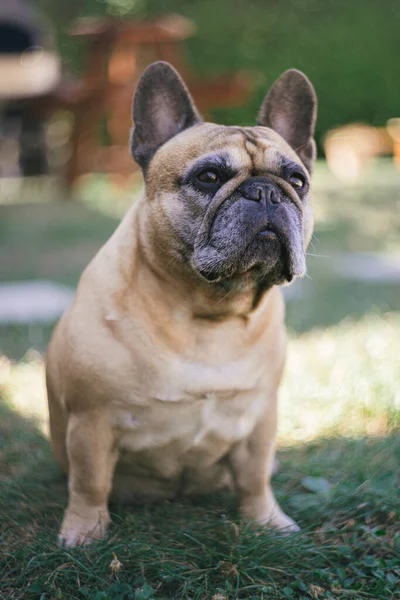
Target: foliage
(348, 49)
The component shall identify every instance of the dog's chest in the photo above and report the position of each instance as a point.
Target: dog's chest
(211, 408)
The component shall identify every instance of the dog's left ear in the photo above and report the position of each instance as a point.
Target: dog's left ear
(290, 109)
(162, 108)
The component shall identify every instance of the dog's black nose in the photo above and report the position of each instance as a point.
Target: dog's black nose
(260, 189)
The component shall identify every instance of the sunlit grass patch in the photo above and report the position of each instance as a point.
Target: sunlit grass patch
(22, 388)
(343, 380)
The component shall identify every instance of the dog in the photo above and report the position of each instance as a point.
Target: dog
(162, 377)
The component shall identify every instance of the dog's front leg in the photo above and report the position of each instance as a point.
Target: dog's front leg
(92, 457)
(252, 463)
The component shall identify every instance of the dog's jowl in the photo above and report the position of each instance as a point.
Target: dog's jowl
(162, 377)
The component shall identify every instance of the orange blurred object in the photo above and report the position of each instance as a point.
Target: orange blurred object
(350, 149)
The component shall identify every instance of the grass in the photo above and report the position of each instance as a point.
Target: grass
(339, 482)
(339, 447)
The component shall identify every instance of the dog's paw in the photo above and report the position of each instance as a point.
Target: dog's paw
(79, 529)
(279, 521)
(282, 523)
(265, 511)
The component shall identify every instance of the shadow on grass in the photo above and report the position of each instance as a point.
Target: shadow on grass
(198, 548)
(56, 242)
(328, 300)
(46, 241)
(27, 470)
(17, 339)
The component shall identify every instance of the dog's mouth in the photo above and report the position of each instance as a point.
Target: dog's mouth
(271, 233)
(264, 254)
(268, 234)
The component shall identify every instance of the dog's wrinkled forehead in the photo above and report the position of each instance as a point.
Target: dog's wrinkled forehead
(241, 149)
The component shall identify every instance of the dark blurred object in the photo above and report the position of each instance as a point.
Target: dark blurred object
(116, 53)
(29, 68)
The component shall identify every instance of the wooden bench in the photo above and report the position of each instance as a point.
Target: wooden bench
(100, 100)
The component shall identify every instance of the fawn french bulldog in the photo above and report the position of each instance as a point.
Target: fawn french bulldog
(162, 377)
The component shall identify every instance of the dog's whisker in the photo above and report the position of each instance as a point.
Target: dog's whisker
(312, 245)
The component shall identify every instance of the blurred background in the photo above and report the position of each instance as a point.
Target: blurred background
(67, 74)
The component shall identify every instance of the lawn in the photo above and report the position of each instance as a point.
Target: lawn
(339, 449)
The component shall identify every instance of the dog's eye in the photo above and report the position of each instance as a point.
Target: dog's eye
(209, 177)
(297, 181)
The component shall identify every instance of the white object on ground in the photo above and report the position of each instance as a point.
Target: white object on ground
(37, 301)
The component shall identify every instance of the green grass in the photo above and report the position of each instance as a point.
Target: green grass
(339, 441)
(342, 490)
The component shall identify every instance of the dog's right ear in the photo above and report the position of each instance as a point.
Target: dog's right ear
(162, 108)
